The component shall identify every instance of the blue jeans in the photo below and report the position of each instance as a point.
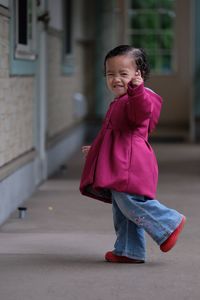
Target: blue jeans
(133, 215)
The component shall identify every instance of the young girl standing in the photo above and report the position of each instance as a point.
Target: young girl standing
(121, 167)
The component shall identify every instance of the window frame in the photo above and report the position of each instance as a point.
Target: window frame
(156, 31)
(26, 51)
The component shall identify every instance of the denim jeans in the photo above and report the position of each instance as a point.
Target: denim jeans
(133, 215)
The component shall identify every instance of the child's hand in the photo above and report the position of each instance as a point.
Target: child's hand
(137, 80)
(85, 150)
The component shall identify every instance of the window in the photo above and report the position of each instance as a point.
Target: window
(151, 26)
(68, 58)
(25, 25)
(68, 27)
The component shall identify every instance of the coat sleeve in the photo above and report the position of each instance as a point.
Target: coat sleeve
(139, 106)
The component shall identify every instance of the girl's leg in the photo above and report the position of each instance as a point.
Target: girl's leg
(157, 220)
(130, 240)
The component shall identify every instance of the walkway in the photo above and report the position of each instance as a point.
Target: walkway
(56, 252)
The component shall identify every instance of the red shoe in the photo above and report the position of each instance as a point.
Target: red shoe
(172, 239)
(111, 257)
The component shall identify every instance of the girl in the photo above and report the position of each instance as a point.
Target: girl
(120, 165)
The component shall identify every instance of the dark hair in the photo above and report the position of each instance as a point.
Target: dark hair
(138, 55)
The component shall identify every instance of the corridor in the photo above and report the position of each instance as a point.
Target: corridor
(57, 251)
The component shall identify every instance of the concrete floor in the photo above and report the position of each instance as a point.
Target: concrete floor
(57, 251)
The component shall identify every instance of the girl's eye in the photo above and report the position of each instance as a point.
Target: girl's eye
(109, 74)
(124, 74)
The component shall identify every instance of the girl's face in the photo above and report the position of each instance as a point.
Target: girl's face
(120, 70)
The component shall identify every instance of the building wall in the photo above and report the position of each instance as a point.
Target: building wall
(16, 102)
(17, 180)
(62, 87)
(21, 164)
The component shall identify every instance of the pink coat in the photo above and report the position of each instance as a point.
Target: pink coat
(120, 158)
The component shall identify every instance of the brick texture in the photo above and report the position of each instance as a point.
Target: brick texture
(16, 105)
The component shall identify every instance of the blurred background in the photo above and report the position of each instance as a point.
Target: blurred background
(52, 89)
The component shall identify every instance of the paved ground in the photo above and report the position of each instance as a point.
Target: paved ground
(57, 251)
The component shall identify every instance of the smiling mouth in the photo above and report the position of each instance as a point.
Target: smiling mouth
(118, 86)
